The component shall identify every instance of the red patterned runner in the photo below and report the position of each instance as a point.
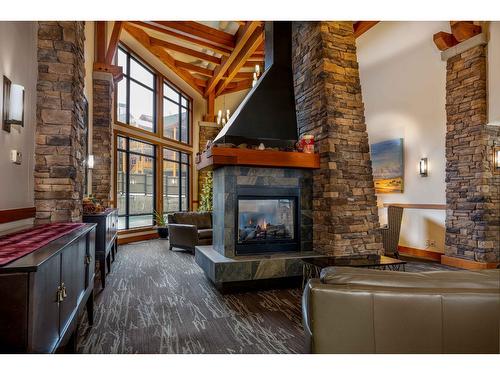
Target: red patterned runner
(16, 245)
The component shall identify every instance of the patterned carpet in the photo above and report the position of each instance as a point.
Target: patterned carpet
(159, 301)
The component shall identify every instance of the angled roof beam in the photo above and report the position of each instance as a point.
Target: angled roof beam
(238, 86)
(113, 42)
(185, 50)
(214, 47)
(361, 27)
(143, 38)
(200, 31)
(252, 44)
(194, 68)
(243, 36)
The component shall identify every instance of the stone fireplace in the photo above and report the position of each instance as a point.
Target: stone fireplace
(262, 210)
(262, 224)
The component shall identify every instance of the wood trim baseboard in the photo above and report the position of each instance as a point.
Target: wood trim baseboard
(420, 206)
(7, 216)
(420, 253)
(137, 238)
(466, 263)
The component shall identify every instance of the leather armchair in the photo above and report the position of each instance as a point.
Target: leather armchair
(189, 229)
(355, 310)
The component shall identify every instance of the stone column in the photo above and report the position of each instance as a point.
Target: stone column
(329, 105)
(102, 136)
(472, 189)
(60, 129)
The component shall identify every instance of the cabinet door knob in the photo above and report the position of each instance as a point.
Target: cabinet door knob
(63, 289)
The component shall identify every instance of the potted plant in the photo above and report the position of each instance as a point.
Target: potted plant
(161, 225)
(206, 195)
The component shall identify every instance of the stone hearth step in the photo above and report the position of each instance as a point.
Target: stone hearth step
(222, 270)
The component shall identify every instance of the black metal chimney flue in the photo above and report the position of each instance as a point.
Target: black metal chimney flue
(267, 114)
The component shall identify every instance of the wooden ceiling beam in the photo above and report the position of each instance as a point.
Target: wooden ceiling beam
(444, 40)
(194, 68)
(243, 35)
(100, 37)
(185, 51)
(214, 47)
(113, 42)
(251, 64)
(460, 32)
(251, 45)
(463, 30)
(200, 31)
(238, 86)
(143, 38)
(361, 27)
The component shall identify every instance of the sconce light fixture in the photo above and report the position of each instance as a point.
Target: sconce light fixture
(423, 167)
(13, 105)
(496, 159)
(90, 161)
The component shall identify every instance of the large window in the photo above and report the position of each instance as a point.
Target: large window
(175, 181)
(176, 113)
(154, 158)
(136, 93)
(135, 185)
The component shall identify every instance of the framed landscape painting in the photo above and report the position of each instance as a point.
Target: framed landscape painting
(388, 167)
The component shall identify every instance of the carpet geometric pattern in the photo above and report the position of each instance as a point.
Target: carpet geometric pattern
(159, 301)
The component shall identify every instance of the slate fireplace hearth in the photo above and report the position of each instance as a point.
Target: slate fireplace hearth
(266, 220)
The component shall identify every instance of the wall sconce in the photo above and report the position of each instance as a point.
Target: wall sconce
(90, 161)
(13, 104)
(496, 159)
(423, 167)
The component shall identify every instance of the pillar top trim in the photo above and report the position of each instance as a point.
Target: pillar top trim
(477, 40)
(105, 76)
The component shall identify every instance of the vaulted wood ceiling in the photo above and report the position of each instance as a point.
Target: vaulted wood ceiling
(214, 58)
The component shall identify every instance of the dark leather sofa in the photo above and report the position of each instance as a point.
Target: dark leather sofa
(354, 310)
(189, 229)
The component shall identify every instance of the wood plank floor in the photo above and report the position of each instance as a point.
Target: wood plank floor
(159, 301)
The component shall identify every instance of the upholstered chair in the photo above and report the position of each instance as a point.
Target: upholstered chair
(189, 229)
(390, 232)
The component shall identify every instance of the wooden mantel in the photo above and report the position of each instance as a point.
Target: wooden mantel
(216, 157)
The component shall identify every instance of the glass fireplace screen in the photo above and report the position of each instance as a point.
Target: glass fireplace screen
(266, 220)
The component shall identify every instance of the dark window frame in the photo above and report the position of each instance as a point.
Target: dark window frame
(180, 106)
(180, 163)
(126, 180)
(127, 79)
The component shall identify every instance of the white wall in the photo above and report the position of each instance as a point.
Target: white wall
(494, 73)
(403, 84)
(18, 61)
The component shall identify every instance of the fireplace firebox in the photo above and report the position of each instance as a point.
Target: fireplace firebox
(267, 220)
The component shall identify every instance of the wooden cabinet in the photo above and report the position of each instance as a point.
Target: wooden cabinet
(106, 238)
(42, 294)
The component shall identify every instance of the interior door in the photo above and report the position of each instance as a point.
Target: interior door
(72, 280)
(45, 307)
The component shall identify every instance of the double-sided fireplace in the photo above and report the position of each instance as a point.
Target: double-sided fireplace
(267, 220)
